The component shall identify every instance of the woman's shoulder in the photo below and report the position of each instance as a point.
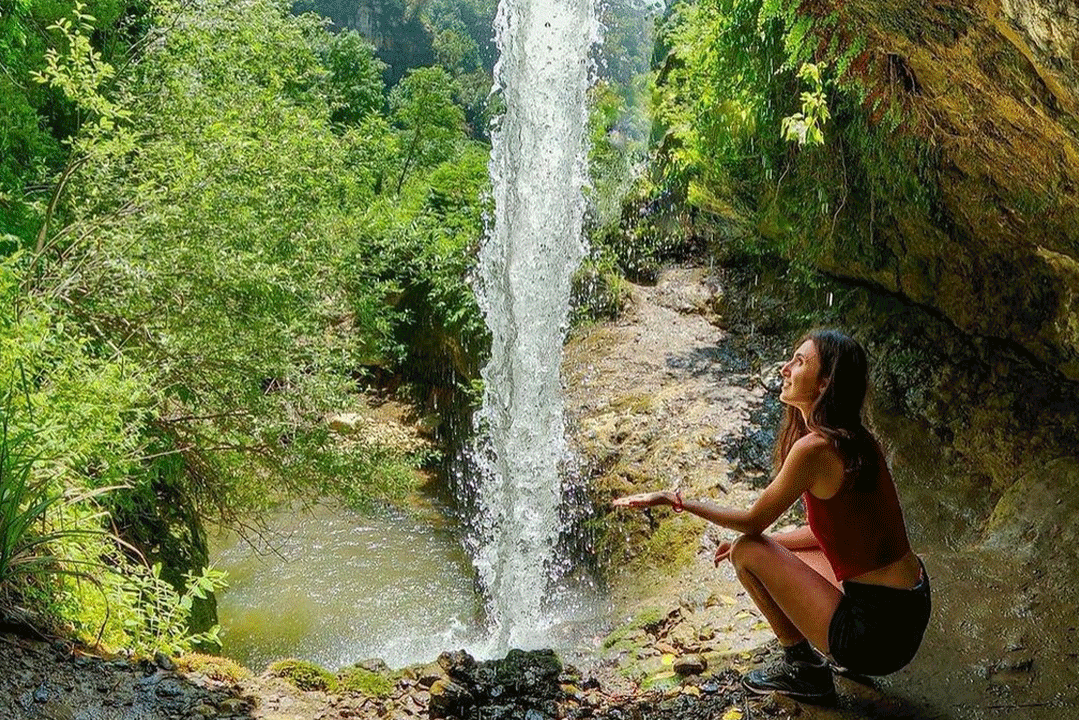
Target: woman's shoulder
(817, 454)
(814, 444)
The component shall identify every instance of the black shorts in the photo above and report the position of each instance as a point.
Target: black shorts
(876, 629)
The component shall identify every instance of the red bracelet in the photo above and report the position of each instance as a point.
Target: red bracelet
(677, 505)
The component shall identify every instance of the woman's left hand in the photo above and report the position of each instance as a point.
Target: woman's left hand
(644, 500)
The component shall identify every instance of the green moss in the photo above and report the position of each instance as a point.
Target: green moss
(672, 544)
(649, 619)
(661, 681)
(304, 675)
(364, 682)
(212, 666)
(621, 638)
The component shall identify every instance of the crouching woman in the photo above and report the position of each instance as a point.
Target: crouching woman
(847, 585)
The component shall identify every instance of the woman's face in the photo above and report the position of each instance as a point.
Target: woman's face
(802, 383)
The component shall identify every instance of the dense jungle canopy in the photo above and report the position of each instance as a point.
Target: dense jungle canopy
(218, 220)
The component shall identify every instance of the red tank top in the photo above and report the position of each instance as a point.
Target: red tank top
(859, 531)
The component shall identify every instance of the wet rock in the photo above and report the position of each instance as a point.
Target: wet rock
(169, 688)
(507, 689)
(683, 636)
(163, 661)
(428, 674)
(449, 699)
(457, 663)
(375, 665)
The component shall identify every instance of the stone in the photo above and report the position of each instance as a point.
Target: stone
(457, 663)
(428, 674)
(233, 706)
(346, 423)
(163, 661)
(169, 688)
(690, 665)
(449, 698)
(375, 665)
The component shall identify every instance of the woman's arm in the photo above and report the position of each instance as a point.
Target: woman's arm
(799, 539)
(809, 459)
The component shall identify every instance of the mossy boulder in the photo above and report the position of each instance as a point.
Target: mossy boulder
(303, 675)
(364, 682)
(218, 668)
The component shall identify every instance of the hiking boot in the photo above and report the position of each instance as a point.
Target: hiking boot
(797, 680)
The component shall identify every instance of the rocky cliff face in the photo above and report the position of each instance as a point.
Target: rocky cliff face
(992, 89)
(391, 26)
(966, 291)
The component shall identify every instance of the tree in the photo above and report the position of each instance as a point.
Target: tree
(430, 122)
(355, 83)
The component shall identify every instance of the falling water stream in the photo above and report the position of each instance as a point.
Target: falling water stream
(538, 168)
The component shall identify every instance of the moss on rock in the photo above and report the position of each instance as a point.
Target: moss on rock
(212, 666)
(303, 675)
(363, 681)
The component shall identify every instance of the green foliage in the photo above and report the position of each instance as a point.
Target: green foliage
(80, 72)
(157, 615)
(52, 539)
(423, 109)
(37, 118)
(27, 544)
(228, 229)
(599, 291)
(744, 145)
(463, 44)
(355, 81)
(806, 127)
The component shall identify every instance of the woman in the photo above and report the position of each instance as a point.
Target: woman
(848, 584)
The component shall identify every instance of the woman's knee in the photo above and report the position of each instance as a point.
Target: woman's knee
(748, 548)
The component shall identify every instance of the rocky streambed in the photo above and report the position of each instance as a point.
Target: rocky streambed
(674, 394)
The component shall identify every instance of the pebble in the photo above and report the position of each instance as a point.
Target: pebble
(690, 665)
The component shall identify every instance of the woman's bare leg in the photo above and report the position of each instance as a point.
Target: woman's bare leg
(797, 600)
(817, 560)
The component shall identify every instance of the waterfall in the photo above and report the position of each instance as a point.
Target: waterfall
(538, 168)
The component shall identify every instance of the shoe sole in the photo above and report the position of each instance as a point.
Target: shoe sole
(828, 698)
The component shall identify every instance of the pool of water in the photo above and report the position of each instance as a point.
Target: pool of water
(335, 587)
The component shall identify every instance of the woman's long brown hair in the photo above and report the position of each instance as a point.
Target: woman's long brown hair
(837, 413)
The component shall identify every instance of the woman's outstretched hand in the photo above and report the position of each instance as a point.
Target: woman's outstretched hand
(644, 500)
(723, 552)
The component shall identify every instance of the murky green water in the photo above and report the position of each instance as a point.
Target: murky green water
(335, 587)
